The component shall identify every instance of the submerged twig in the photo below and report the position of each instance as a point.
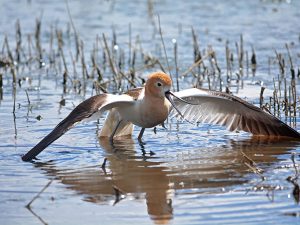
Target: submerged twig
(252, 165)
(38, 194)
(37, 216)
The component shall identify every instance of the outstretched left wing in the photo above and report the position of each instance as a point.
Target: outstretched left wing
(91, 108)
(232, 112)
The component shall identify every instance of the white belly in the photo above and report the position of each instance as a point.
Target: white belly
(133, 114)
(145, 115)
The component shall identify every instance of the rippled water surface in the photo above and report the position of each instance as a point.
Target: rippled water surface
(185, 174)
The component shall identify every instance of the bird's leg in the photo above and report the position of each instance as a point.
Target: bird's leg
(141, 135)
(111, 138)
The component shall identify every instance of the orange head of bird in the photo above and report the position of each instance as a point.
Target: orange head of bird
(158, 84)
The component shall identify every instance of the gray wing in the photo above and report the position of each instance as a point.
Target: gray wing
(232, 112)
(87, 110)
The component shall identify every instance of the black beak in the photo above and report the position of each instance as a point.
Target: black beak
(168, 96)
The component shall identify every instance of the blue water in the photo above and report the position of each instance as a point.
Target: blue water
(198, 175)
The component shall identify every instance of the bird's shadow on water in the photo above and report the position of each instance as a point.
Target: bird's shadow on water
(137, 173)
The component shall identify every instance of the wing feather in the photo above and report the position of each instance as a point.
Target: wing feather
(229, 111)
(87, 110)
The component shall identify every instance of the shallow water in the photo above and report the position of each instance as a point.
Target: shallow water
(197, 174)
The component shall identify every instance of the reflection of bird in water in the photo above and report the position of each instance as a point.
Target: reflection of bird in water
(150, 106)
(155, 179)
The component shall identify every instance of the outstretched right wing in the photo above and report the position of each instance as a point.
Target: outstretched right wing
(91, 108)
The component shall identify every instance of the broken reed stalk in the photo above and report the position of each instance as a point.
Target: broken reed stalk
(197, 53)
(77, 44)
(195, 64)
(281, 63)
(241, 55)
(213, 67)
(29, 50)
(110, 60)
(294, 93)
(289, 109)
(164, 47)
(114, 48)
(59, 37)
(276, 103)
(228, 64)
(293, 180)
(85, 73)
(3, 47)
(208, 80)
(1, 86)
(121, 62)
(99, 87)
(74, 66)
(94, 61)
(290, 60)
(247, 64)
(18, 41)
(114, 38)
(60, 49)
(286, 103)
(28, 100)
(129, 80)
(293, 154)
(215, 62)
(253, 62)
(65, 78)
(261, 98)
(14, 108)
(279, 86)
(11, 59)
(99, 73)
(51, 54)
(269, 66)
(37, 36)
(293, 82)
(132, 64)
(129, 43)
(176, 64)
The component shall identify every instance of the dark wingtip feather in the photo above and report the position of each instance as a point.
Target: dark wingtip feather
(84, 110)
(288, 131)
(58, 131)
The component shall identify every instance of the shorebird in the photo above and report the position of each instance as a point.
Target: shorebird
(150, 106)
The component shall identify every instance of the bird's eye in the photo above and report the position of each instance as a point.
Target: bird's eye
(159, 84)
